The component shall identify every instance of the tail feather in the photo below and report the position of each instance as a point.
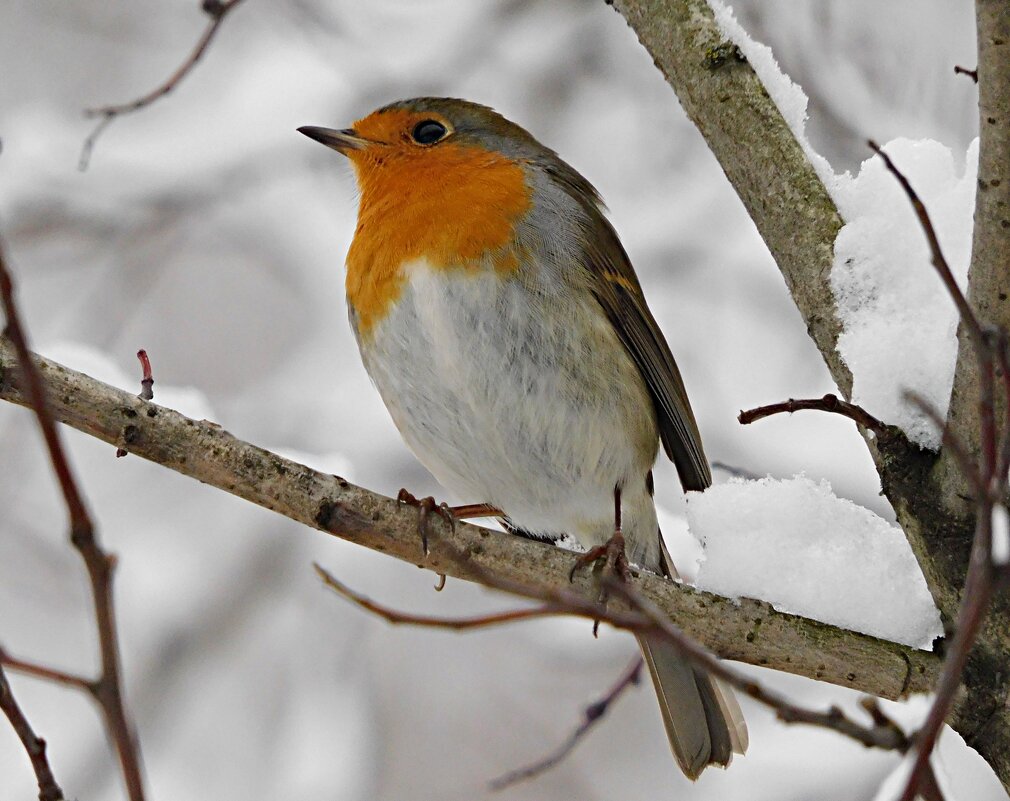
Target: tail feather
(702, 719)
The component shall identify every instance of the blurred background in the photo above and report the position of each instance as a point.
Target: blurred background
(210, 233)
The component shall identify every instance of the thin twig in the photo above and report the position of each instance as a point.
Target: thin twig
(829, 403)
(147, 380)
(646, 618)
(47, 673)
(886, 737)
(950, 440)
(939, 261)
(980, 582)
(108, 689)
(959, 70)
(979, 587)
(459, 624)
(593, 714)
(35, 746)
(146, 388)
(217, 10)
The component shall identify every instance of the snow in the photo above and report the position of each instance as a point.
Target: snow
(794, 543)
(899, 322)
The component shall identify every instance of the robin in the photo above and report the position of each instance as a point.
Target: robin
(506, 331)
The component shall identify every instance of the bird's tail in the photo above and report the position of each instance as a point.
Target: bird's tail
(702, 717)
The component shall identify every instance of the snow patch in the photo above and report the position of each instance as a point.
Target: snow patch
(795, 544)
(899, 323)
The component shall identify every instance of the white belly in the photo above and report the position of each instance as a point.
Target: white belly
(520, 397)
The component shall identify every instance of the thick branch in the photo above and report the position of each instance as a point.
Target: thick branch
(989, 274)
(758, 152)
(748, 630)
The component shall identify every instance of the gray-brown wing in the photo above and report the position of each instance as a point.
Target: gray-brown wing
(616, 287)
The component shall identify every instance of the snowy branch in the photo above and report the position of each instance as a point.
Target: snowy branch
(745, 630)
(758, 152)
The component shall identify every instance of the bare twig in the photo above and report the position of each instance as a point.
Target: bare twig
(146, 388)
(458, 624)
(979, 585)
(217, 10)
(736, 470)
(829, 403)
(644, 617)
(147, 381)
(887, 737)
(47, 673)
(950, 440)
(959, 70)
(593, 714)
(35, 746)
(107, 691)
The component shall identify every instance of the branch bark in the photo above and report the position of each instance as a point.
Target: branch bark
(745, 630)
(755, 147)
(989, 273)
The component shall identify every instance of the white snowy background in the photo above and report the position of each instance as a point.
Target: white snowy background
(210, 233)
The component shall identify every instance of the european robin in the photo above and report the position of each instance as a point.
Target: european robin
(502, 322)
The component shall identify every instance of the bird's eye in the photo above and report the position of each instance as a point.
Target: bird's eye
(427, 132)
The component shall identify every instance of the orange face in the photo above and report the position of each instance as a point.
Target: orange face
(450, 202)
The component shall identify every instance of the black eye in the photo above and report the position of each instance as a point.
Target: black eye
(427, 132)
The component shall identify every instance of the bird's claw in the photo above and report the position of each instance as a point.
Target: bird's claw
(615, 562)
(427, 506)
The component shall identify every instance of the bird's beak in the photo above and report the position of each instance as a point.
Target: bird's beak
(342, 141)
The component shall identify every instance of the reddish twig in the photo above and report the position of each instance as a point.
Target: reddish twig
(593, 714)
(646, 618)
(829, 403)
(107, 690)
(887, 737)
(959, 70)
(147, 381)
(46, 673)
(980, 582)
(217, 10)
(35, 746)
(459, 624)
(146, 388)
(950, 440)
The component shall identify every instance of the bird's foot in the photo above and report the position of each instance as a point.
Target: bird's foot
(426, 507)
(611, 553)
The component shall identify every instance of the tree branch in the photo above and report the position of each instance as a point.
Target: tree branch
(107, 690)
(758, 152)
(829, 403)
(745, 630)
(988, 276)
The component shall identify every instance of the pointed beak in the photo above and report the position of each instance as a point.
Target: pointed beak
(342, 141)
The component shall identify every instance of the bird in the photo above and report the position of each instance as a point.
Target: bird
(501, 321)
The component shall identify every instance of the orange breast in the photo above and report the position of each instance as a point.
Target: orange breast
(452, 204)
